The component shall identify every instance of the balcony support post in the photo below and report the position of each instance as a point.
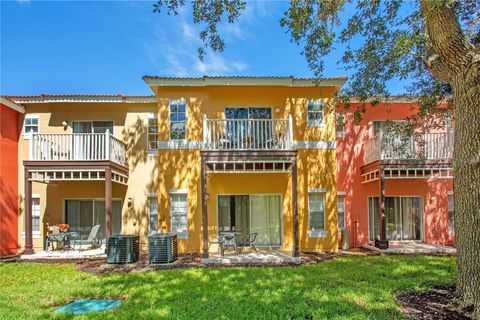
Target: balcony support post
(205, 131)
(28, 213)
(107, 145)
(381, 219)
(108, 202)
(296, 250)
(290, 132)
(204, 208)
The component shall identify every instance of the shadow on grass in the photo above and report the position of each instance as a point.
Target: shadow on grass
(347, 288)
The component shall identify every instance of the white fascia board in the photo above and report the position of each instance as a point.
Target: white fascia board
(12, 105)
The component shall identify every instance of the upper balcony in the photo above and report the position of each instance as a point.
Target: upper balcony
(77, 147)
(429, 146)
(248, 134)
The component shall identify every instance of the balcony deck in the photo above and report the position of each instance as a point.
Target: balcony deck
(427, 156)
(247, 134)
(422, 147)
(77, 147)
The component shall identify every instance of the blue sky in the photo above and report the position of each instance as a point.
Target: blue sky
(107, 46)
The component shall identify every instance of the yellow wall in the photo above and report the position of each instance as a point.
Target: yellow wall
(180, 169)
(130, 122)
(168, 169)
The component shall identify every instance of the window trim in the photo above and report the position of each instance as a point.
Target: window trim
(180, 235)
(317, 233)
(91, 122)
(149, 150)
(35, 234)
(342, 195)
(452, 196)
(181, 100)
(152, 195)
(314, 123)
(26, 135)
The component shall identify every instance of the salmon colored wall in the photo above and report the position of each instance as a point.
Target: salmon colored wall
(8, 180)
(434, 192)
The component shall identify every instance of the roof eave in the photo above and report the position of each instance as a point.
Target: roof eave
(153, 81)
(12, 105)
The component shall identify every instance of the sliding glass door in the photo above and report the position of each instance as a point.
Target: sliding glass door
(404, 219)
(82, 215)
(246, 214)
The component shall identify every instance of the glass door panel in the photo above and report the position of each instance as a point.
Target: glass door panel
(412, 218)
(373, 211)
(266, 219)
(246, 214)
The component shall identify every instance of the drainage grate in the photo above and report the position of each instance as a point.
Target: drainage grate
(89, 305)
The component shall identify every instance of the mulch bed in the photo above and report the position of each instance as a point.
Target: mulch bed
(438, 303)
(191, 260)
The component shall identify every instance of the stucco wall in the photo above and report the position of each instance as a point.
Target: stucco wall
(8, 180)
(130, 120)
(350, 148)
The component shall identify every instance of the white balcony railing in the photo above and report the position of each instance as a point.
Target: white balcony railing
(76, 147)
(429, 146)
(247, 134)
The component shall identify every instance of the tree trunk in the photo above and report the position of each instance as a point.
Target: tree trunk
(466, 165)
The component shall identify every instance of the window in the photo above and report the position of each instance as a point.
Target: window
(316, 211)
(31, 124)
(153, 213)
(83, 214)
(177, 120)
(340, 125)
(315, 113)
(341, 211)
(152, 132)
(451, 214)
(92, 126)
(178, 214)
(36, 214)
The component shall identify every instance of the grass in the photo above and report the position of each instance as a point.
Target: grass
(345, 288)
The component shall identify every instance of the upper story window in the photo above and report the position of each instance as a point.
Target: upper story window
(340, 125)
(178, 120)
(152, 132)
(31, 124)
(92, 126)
(315, 116)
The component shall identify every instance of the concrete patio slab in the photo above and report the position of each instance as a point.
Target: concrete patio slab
(67, 254)
(252, 257)
(414, 248)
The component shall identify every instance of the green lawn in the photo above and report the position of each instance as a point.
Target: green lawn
(346, 288)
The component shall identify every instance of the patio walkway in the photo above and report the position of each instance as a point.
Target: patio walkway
(415, 248)
(251, 257)
(67, 254)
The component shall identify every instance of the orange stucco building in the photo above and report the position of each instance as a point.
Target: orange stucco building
(416, 191)
(9, 114)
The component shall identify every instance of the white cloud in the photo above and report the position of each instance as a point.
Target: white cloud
(214, 64)
(173, 50)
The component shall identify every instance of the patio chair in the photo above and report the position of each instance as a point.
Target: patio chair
(55, 237)
(228, 241)
(249, 241)
(90, 241)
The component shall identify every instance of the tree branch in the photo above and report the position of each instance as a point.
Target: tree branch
(447, 46)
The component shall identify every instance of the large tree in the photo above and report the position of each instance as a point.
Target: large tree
(432, 44)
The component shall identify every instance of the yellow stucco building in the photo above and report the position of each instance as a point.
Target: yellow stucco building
(252, 156)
